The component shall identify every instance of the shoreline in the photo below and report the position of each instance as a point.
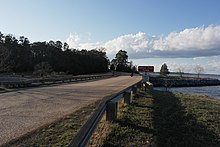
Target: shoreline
(174, 81)
(196, 90)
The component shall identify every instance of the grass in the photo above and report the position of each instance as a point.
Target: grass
(165, 119)
(59, 133)
(184, 120)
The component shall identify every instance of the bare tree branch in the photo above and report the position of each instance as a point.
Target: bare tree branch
(180, 70)
(199, 70)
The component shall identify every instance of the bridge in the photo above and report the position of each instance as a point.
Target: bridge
(22, 111)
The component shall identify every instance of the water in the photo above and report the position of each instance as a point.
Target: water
(212, 91)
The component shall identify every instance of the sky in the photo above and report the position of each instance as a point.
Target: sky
(180, 33)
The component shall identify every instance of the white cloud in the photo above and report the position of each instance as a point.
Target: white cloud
(189, 43)
(191, 39)
(90, 45)
(133, 44)
(213, 66)
(73, 40)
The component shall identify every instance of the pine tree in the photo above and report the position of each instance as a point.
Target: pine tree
(164, 70)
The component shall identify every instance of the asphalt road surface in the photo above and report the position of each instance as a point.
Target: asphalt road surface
(23, 111)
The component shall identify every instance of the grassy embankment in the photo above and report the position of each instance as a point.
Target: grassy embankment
(164, 119)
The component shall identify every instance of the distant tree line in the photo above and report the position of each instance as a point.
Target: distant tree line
(19, 55)
(198, 69)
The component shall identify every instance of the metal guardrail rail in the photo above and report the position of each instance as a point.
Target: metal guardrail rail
(83, 136)
(49, 81)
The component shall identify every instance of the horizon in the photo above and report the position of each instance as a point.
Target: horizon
(178, 33)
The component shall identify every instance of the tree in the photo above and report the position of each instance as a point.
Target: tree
(199, 70)
(113, 64)
(134, 68)
(42, 69)
(1, 37)
(4, 57)
(52, 43)
(65, 46)
(121, 61)
(24, 41)
(59, 44)
(164, 70)
(112, 67)
(180, 70)
(121, 57)
(8, 39)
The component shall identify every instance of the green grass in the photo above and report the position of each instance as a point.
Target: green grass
(59, 133)
(167, 119)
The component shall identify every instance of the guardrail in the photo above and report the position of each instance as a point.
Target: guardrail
(108, 105)
(47, 81)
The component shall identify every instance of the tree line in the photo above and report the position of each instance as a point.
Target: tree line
(21, 56)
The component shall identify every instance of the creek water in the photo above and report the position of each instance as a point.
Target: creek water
(212, 91)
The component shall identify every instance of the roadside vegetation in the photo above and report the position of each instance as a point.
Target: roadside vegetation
(165, 119)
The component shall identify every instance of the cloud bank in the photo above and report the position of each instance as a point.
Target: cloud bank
(189, 43)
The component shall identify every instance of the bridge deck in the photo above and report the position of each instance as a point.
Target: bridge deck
(25, 110)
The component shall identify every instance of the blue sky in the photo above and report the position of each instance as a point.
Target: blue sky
(179, 33)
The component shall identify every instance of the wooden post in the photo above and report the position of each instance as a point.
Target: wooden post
(134, 89)
(111, 111)
(145, 88)
(127, 98)
(139, 85)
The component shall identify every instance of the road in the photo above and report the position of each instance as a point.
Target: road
(23, 111)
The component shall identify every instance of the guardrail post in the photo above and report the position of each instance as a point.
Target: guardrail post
(139, 85)
(127, 98)
(149, 85)
(144, 86)
(111, 111)
(134, 89)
